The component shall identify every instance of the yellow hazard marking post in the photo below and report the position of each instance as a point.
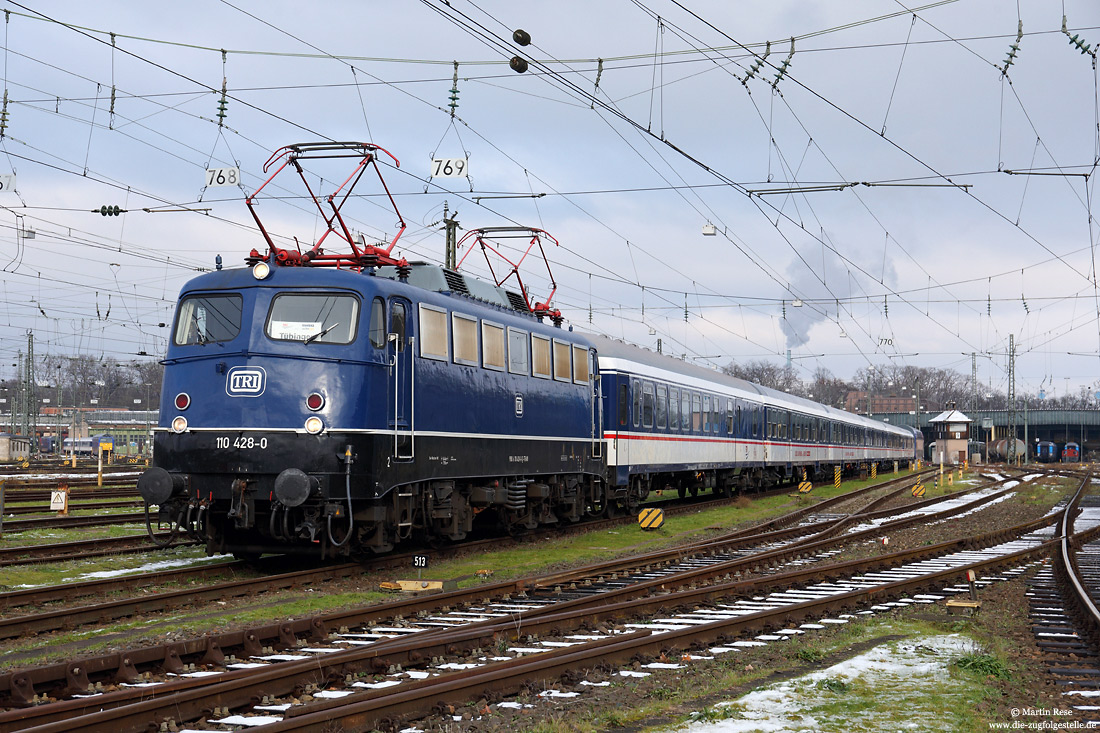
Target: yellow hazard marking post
(651, 518)
(918, 490)
(836, 477)
(25, 464)
(804, 487)
(874, 470)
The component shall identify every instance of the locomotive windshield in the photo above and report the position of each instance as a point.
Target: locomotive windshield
(314, 317)
(204, 319)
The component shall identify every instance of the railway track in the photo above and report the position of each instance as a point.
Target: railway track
(82, 549)
(516, 600)
(72, 617)
(1063, 600)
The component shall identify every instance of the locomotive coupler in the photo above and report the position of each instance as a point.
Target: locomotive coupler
(242, 508)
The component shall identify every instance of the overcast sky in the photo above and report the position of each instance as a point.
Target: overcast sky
(975, 225)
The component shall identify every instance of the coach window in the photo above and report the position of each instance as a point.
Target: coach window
(636, 389)
(517, 351)
(719, 416)
(207, 319)
(563, 371)
(647, 404)
(784, 418)
(696, 415)
(624, 402)
(378, 323)
(706, 413)
(685, 410)
(433, 332)
(540, 356)
(729, 416)
(673, 408)
(324, 318)
(464, 338)
(662, 405)
(580, 365)
(492, 346)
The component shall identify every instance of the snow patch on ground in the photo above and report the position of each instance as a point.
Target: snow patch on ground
(892, 670)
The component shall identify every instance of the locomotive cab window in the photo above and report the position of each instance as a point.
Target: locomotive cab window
(378, 323)
(398, 324)
(433, 332)
(207, 319)
(323, 318)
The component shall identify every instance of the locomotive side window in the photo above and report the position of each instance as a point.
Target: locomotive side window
(464, 337)
(378, 323)
(674, 408)
(397, 324)
(313, 317)
(433, 332)
(580, 365)
(492, 346)
(647, 404)
(563, 370)
(517, 351)
(662, 405)
(205, 319)
(540, 356)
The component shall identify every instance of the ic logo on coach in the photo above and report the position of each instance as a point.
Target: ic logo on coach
(245, 382)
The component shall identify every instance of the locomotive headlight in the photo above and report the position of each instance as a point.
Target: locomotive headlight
(314, 425)
(179, 424)
(261, 270)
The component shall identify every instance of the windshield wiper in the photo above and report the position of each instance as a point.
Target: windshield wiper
(319, 334)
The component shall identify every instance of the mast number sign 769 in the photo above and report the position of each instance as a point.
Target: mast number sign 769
(448, 167)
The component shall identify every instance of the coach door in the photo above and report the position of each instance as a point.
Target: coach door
(597, 404)
(401, 348)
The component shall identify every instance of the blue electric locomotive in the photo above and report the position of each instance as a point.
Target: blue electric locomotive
(1046, 451)
(339, 404)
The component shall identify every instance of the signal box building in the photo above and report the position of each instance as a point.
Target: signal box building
(952, 431)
